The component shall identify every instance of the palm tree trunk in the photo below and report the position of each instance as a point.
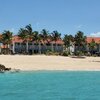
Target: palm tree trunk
(13, 48)
(8, 48)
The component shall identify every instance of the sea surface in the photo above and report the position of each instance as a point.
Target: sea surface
(50, 85)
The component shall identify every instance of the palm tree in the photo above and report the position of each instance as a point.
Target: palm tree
(30, 35)
(7, 39)
(55, 36)
(37, 38)
(80, 40)
(29, 31)
(68, 39)
(26, 35)
(92, 46)
(44, 35)
(23, 34)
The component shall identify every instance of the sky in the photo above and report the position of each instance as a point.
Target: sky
(65, 16)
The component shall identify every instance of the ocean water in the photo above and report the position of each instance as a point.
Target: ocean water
(50, 85)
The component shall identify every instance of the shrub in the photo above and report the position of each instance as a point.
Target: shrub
(49, 52)
(79, 53)
(88, 54)
(65, 53)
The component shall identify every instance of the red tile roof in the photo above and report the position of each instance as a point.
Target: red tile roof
(89, 39)
(16, 39)
(19, 40)
(96, 39)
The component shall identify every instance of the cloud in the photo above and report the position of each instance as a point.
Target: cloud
(12, 30)
(79, 26)
(96, 34)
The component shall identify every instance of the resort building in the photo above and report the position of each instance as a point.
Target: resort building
(96, 40)
(19, 46)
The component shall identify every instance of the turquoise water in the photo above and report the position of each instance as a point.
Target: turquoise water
(50, 85)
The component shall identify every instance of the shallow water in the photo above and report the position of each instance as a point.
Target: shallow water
(50, 85)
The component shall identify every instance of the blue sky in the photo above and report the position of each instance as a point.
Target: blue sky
(66, 16)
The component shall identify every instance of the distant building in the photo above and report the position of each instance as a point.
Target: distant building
(19, 46)
(97, 41)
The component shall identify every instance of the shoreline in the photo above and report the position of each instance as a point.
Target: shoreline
(58, 70)
(50, 63)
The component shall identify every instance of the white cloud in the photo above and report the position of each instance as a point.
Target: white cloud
(96, 34)
(12, 30)
(79, 26)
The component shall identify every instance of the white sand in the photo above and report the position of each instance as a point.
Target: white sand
(42, 62)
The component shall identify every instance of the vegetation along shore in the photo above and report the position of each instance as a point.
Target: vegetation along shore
(27, 41)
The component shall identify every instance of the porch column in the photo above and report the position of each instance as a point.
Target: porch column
(39, 47)
(52, 47)
(87, 48)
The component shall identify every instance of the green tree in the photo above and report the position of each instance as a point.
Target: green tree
(23, 34)
(92, 46)
(29, 31)
(67, 40)
(30, 35)
(80, 40)
(55, 36)
(7, 40)
(26, 35)
(37, 38)
(45, 37)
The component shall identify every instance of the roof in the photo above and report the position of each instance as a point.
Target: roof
(16, 39)
(96, 39)
(89, 39)
(19, 40)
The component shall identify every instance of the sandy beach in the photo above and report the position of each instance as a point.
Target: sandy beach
(42, 62)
